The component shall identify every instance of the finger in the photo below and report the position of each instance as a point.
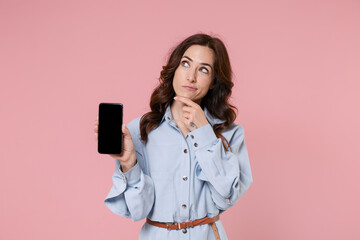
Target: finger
(125, 131)
(187, 101)
(96, 129)
(97, 117)
(186, 115)
(189, 122)
(186, 120)
(187, 109)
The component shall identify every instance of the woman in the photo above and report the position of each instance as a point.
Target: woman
(185, 161)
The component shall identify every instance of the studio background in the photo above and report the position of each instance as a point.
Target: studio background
(296, 71)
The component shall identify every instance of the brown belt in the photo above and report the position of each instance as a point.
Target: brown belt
(183, 225)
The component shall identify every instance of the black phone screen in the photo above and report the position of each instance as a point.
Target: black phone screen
(110, 132)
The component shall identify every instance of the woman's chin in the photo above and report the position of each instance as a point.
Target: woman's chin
(185, 95)
(189, 96)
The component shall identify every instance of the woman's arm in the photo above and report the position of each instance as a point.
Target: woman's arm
(227, 173)
(132, 193)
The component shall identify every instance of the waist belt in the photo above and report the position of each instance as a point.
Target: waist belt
(184, 225)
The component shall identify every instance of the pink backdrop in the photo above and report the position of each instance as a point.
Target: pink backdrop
(296, 66)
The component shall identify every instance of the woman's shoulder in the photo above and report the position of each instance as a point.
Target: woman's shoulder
(234, 132)
(235, 127)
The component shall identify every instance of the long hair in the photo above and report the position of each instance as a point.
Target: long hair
(216, 101)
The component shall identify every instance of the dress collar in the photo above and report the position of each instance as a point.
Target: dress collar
(211, 119)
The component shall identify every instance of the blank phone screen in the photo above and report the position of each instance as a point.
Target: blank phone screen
(110, 133)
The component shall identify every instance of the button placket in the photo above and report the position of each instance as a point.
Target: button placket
(193, 141)
(183, 181)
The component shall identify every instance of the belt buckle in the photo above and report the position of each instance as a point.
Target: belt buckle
(168, 226)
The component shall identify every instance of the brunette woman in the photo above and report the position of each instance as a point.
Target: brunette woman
(185, 161)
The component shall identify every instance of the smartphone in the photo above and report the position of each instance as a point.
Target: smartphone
(110, 137)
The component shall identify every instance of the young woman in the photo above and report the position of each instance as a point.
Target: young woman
(185, 161)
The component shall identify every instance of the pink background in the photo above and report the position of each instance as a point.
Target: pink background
(297, 72)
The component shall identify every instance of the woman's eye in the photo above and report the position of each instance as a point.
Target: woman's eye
(185, 63)
(204, 70)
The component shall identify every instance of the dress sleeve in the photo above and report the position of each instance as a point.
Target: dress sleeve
(227, 173)
(132, 193)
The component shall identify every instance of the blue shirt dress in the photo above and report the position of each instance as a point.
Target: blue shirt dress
(178, 179)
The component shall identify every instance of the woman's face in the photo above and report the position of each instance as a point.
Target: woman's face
(193, 77)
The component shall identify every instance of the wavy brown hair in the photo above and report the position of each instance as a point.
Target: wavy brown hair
(216, 101)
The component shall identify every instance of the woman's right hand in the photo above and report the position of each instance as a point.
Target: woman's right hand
(128, 156)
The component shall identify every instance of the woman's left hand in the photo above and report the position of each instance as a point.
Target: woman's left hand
(193, 116)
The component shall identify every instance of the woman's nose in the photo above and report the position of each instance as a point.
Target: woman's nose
(191, 76)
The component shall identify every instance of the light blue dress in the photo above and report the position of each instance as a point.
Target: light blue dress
(177, 178)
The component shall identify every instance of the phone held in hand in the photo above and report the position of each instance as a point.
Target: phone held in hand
(110, 135)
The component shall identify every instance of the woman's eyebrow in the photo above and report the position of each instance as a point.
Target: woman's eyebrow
(206, 64)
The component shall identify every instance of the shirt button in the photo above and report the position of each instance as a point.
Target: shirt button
(185, 150)
(184, 230)
(192, 136)
(195, 144)
(227, 201)
(184, 206)
(168, 118)
(185, 178)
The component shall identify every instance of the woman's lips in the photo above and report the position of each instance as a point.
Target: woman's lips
(190, 88)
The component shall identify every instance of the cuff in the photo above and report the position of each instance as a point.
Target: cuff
(133, 175)
(118, 173)
(202, 137)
